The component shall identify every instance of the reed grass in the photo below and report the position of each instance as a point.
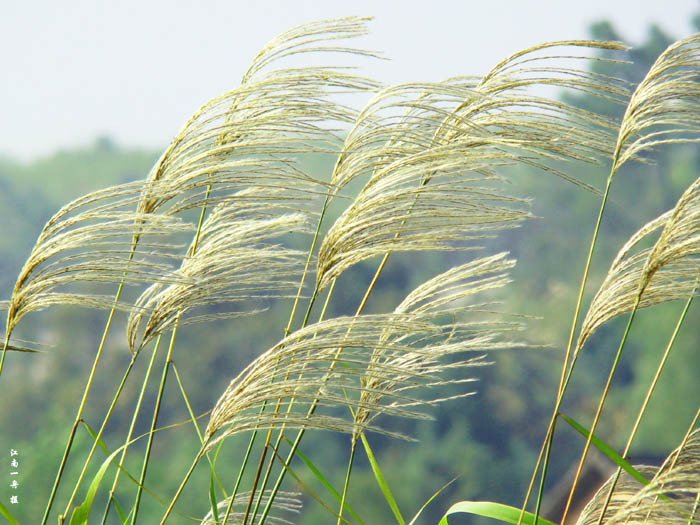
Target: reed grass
(427, 160)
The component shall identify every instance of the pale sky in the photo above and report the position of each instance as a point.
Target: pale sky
(136, 69)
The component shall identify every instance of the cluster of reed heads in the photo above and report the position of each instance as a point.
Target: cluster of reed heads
(418, 168)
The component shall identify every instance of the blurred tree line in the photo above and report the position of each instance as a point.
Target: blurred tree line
(488, 441)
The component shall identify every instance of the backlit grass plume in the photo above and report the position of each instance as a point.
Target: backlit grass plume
(286, 506)
(91, 240)
(671, 497)
(664, 107)
(446, 300)
(296, 370)
(247, 135)
(431, 150)
(419, 168)
(666, 271)
(662, 110)
(236, 262)
(372, 364)
(498, 108)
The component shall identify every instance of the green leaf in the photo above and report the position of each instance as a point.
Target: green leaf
(212, 498)
(489, 509)
(122, 515)
(316, 472)
(131, 478)
(81, 513)
(608, 451)
(9, 517)
(93, 434)
(382, 482)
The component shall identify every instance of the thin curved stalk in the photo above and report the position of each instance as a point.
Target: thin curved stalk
(346, 485)
(132, 425)
(314, 241)
(193, 418)
(603, 398)
(154, 421)
(88, 386)
(647, 398)
(280, 436)
(183, 483)
(4, 350)
(567, 369)
(166, 366)
(691, 518)
(312, 408)
(268, 438)
(99, 433)
(287, 330)
(229, 508)
(540, 490)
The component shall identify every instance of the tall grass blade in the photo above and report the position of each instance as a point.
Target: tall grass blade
(123, 516)
(608, 451)
(499, 511)
(212, 499)
(82, 512)
(381, 481)
(8, 515)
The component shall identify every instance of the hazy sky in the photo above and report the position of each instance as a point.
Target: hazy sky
(137, 69)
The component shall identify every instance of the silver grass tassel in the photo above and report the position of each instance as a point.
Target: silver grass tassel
(237, 259)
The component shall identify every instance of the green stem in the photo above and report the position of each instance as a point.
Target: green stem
(193, 418)
(86, 390)
(239, 478)
(166, 366)
(567, 369)
(280, 436)
(645, 403)
(547, 444)
(268, 439)
(132, 425)
(603, 398)
(370, 288)
(99, 433)
(317, 235)
(540, 492)
(314, 404)
(4, 348)
(346, 485)
(287, 330)
(156, 411)
(691, 518)
(182, 484)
